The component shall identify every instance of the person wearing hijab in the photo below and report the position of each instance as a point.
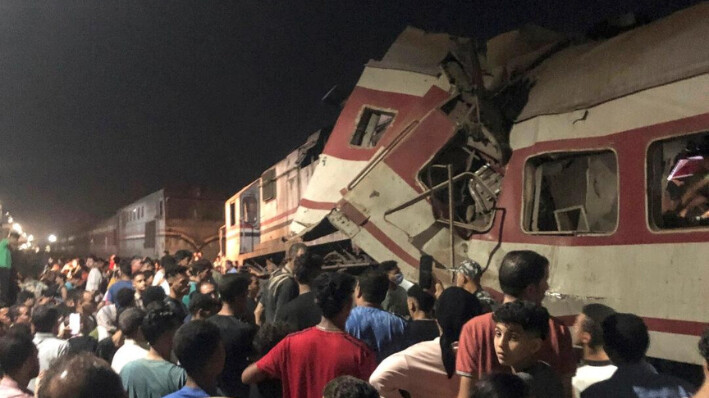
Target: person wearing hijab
(427, 369)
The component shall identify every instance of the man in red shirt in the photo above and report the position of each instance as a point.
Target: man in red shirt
(524, 275)
(306, 361)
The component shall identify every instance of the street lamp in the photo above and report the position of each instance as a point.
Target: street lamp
(52, 238)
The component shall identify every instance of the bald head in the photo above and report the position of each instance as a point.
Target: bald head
(81, 376)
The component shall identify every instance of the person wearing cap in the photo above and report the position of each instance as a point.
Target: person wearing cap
(468, 276)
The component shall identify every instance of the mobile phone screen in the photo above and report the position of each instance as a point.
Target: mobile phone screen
(75, 323)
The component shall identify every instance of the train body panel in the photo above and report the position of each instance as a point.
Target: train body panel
(264, 211)
(386, 102)
(103, 239)
(243, 223)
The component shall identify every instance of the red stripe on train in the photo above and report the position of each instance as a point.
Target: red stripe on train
(674, 326)
(356, 216)
(311, 204)
(338, 145)
(408, 108)
(279, 216)
(630, 146)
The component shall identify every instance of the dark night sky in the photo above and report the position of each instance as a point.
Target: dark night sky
(102, 102)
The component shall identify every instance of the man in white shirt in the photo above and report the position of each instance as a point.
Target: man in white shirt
(159, 278)
(135, 346)
(93, 281)
(45, 320)
(588, 334)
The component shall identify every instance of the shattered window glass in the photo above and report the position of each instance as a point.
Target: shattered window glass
(571, 193)
(371, 127)
(678, 182)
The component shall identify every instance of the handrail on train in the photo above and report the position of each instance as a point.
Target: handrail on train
(450, 221)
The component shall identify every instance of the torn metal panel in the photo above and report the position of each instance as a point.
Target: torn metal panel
(343, 223)
(312, 148)
(417, 51)
(511, 54)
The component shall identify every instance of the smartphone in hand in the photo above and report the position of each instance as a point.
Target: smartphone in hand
(75, 323)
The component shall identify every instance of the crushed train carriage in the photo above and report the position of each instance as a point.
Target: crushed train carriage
(594, 154)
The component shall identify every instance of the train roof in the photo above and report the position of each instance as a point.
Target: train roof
(662, 52)
(304, 153)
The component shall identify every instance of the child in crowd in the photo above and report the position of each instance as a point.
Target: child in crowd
(520, 329)
(349, 387)
(198, 345)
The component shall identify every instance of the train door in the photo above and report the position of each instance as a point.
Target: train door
(250, 234)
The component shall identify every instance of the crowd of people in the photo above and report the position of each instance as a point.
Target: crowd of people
(185, 327)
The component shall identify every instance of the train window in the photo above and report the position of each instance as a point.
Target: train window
(232, 214)
(571, 193)
(248, 209)
(371, 127)
(268, 185)
(678, 182)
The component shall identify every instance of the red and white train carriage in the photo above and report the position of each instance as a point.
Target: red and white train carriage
(595, 155)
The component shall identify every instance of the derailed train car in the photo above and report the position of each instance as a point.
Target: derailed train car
(594, 154)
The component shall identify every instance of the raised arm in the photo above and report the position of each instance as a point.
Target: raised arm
(253, 375)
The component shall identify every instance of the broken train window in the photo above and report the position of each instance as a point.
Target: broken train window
(571, 192)
(678, 182)
(371, 127)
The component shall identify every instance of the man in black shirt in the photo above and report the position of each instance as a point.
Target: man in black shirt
(237, 335)
(422, 326)
(302, 312)
(178, 279)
